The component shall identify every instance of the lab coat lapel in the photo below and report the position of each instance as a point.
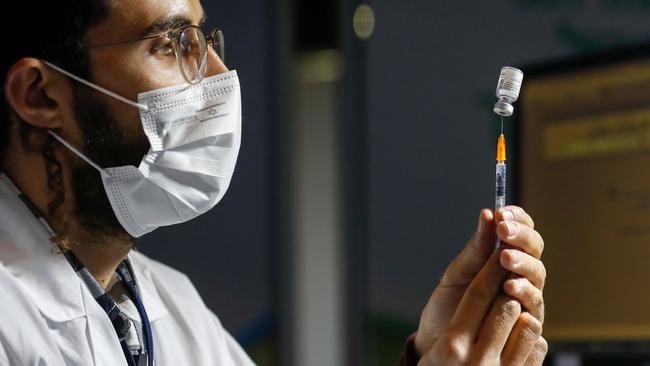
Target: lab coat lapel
(28, 254)
(103, 340)
(151, 300)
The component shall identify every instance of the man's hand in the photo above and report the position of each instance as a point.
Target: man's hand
(468, 319)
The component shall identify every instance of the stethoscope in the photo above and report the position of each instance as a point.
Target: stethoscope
(146, 325)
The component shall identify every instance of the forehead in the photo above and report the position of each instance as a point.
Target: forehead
(129, 19)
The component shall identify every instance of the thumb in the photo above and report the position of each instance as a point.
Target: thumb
(473, 257)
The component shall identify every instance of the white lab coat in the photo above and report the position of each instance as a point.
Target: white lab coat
(48, 316)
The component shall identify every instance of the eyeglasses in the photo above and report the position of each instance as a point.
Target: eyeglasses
(190, 45)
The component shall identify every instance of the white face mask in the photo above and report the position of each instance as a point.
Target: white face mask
(195, 134)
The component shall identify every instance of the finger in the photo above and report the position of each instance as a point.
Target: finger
(529, 296)
(521, 236)
(446, 351)
(497, 327)
(536, 357)
(525, 266)
(522, 341)
(478, 299)
(514, 213)
(472, 258)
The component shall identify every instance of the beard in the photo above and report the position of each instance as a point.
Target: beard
(107, 145)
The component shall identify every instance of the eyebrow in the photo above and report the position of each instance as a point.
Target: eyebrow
(170, 23)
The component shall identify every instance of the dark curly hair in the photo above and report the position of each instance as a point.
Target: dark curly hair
(54, 31)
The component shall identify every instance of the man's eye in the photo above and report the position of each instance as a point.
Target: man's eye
(165, 49)
(190, 47)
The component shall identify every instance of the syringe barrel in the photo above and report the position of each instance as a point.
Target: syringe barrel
(500, 191)
(500, 187)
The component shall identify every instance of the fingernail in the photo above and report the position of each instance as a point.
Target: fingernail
(513, 228)
(508, 215)
(514, 286)
(515, 257)
(480, 223)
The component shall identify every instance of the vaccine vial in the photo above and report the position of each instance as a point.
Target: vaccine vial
(508, 90)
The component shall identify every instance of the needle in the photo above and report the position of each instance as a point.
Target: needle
(502, 125)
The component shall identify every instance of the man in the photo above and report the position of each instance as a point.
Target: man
(120, 117)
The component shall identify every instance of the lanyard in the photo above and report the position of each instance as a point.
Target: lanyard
(127, 280)
(124, 271)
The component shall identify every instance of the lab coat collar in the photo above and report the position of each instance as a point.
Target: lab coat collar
(151, 300)
(28, 253)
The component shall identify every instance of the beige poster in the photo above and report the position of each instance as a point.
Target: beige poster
(585, 154)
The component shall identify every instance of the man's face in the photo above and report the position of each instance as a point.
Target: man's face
(135, 67)
(110, 130)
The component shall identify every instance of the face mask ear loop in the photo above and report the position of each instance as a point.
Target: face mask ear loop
(74, 150)
(98, 88)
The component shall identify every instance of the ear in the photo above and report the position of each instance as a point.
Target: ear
(35, 93)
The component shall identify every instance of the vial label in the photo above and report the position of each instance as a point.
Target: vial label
(509, 83)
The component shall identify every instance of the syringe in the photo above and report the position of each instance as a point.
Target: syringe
(500, 186)
(507, 93)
